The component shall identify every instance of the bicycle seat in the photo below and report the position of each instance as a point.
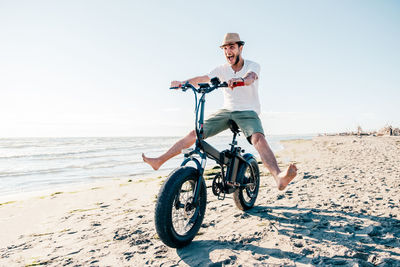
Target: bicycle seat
(233, 126)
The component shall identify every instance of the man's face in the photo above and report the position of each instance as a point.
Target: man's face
(232, 53)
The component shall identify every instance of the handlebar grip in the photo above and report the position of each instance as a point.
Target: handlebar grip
(236, 84)
(174, 88)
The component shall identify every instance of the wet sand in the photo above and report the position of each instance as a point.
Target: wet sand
(341, 209)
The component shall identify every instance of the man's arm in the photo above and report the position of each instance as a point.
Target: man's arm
(194, 81)
(248, 79)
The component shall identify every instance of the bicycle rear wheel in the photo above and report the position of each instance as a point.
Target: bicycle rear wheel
(245, 197)
(177, 217)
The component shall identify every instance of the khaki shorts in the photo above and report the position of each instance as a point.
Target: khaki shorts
(248, 121)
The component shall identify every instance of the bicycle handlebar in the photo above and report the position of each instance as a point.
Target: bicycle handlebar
(206, 86)
(184, 86)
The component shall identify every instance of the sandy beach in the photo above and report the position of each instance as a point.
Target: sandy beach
(341, 209)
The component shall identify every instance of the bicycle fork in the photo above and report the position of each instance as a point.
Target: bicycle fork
(200, 181)
(200, 167)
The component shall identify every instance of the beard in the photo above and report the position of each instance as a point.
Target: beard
(237, 60)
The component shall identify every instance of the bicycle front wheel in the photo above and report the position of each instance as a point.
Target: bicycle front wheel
(177, 217)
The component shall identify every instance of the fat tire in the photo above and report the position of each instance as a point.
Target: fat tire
(238, 197)
(165, 200)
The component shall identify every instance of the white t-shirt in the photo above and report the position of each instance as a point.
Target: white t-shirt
(242, 97)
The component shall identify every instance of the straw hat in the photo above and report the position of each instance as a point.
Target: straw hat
(231, 38)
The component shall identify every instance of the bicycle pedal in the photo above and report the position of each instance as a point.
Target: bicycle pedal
(221, 198)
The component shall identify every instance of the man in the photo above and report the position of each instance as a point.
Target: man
(241, 104)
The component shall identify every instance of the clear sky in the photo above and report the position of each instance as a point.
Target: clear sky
(103, 68)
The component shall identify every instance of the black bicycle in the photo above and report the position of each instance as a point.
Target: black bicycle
(182, 199)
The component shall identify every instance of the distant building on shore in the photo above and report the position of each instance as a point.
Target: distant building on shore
(389, 130)
(385, 131)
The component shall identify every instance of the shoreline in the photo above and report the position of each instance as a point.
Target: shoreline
(75, 187)
(87, 184)
(340, 209)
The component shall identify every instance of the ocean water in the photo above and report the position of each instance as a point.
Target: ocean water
(29, 165)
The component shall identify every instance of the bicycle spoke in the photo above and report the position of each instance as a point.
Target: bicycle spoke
(184, 218)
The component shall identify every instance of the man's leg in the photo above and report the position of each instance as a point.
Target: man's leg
(175, 150)
(282, 179)
(215, 124)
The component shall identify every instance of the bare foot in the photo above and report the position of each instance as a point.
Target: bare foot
(155, 163)
(284, 178)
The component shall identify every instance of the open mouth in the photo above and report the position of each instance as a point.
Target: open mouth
(230, 58)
